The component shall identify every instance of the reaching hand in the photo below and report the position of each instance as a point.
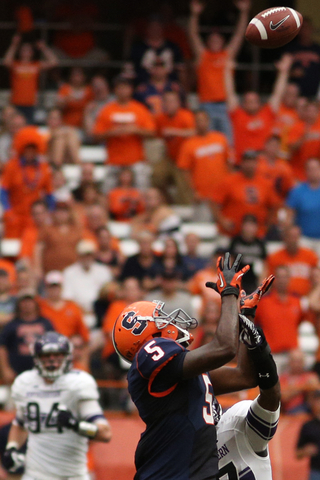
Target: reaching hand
(196, 7)
(285, 63)
(249, 303)
(12, 460)
(250, 335)
(243, 5)
(66, 419)
(229, 277)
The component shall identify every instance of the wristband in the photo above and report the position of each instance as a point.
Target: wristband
(248, 312)
(87, 429)
(12, 444)
(265, 366)
(230, 291)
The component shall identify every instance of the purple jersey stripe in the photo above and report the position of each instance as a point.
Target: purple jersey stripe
(264, 431)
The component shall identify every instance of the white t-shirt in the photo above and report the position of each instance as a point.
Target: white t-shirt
(243, 430)
(83, 286)
(52, 453)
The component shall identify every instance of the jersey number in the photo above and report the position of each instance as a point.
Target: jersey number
(207, 410)
(158, 352)
(228, 472)
(34, 418)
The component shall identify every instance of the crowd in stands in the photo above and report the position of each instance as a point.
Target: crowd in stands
(251, 167)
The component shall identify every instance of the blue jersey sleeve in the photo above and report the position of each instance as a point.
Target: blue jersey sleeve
(155, 357)
(293, 198)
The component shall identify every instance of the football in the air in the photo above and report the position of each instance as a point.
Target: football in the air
(274, 27)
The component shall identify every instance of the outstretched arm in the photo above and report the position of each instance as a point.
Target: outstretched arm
(197, 44)
(238, 36)
(283, 67)
(224, 345)
(50, 59)
(234, 379)
(12, 50)
(263, 415)
(232, 97)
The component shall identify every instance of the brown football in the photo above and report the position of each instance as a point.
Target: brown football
(274, 27)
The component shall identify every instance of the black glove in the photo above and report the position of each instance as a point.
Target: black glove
(12, 460)
(229, 278)
(66, 419)
(249, 303)
(260, 353)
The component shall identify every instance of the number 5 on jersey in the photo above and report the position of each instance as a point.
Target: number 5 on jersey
(207, 410)
(158, 352)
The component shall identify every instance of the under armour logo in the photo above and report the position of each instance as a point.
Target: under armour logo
(266, 375)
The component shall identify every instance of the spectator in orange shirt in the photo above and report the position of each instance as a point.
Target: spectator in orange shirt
(304, 140)
(124, 124)
(279, 315)
(174, 125)
(65, 315)
(274, 168)
(56, 246)
(29, 239)
(253, 122)
(25, 179)
(25, 73)
(244, 193)
(73, 98)
(125, 201)
(211, 59)
(9, 267)
(204, 158)
(300, 261)
(131, 292)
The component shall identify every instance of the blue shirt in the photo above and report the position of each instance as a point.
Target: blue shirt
(17, 336)
(180, 438)
(306, 203)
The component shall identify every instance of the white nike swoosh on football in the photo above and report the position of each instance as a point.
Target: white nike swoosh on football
(278, 24)
(221, 281)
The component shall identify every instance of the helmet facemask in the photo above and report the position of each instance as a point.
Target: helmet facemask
(52, 344)
(179, 318)
(52, 374)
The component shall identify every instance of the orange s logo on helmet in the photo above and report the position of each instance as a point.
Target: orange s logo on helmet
(141, 321)
(134, 326)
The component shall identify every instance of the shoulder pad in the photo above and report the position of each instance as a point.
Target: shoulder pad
(155, 353)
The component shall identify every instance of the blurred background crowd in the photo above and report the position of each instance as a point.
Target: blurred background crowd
(134, 150)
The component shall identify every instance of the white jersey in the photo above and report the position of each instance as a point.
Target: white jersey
(54, 452)
(243, 430)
